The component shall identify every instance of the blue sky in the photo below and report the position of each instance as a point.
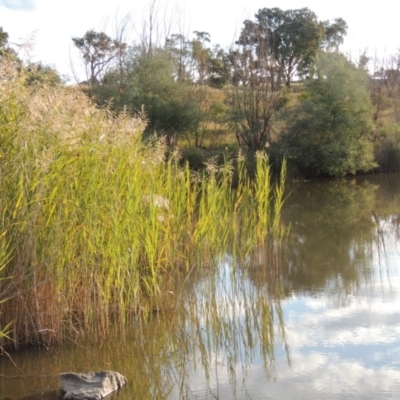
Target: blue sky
(50, 24)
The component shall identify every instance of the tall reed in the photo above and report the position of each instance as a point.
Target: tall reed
(94, 220)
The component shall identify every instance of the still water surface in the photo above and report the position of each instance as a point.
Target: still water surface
(318, 320)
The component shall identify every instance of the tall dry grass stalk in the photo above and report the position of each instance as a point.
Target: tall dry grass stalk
(93, 219)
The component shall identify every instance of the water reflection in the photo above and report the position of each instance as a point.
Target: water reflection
(235, 327)
(343, 318)
(319, 318)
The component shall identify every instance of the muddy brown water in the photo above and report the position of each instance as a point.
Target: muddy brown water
(319, 319)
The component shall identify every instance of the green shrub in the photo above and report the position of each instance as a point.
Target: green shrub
(330, 131)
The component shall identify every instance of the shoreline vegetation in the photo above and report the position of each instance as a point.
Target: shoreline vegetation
(96, 222)
(101, 210)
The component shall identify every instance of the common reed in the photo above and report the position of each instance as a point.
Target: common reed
(93, 218)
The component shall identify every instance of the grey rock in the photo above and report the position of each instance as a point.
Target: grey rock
(90, 385)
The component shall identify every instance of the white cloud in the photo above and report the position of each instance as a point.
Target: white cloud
(19, 5)
(361, 323)
(323, 376)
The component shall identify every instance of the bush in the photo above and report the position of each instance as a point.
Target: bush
(329, 133)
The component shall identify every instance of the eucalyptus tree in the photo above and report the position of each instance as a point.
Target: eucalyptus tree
(194, 60)
(200, 67)
(98, 50)
(253, 91)
(201, 56)
(293, 38)
(335, 33)
(180, 51)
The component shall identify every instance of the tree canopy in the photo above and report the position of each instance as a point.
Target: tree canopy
(329, 132)
(334, 33)
(98, 50)
(3, 38)
(253, 93)
(291, 38)
(5, 49)
(171, 107)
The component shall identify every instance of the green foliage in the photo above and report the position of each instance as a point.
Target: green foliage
(294, 38)
(194, 61)
(291, 38)
(5, 50)
(39, 74)
(170, 84)
(334, 33)
(98, 50)
(329, 133)
(171, 107)
(3, 38)
(253, 94)
(273, 48)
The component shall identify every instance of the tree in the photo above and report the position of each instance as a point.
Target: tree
(5, 49)
(3, 38)
(179, 49)
(194, 61)
(98, 50)
(253, 91)
(201, 56)
(293, 38)
(171, 106)
(334, 33)
(201, 67)
(329, 133)
(218, 76)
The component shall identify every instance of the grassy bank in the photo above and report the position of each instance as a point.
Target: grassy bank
(95, 222)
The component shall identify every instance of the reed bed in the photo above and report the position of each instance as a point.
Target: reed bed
(94, 220)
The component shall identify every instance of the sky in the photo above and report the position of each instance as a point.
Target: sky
(49, 25)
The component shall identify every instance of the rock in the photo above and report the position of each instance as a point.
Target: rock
(90, 385)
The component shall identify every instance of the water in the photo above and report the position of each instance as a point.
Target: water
(320, 319)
